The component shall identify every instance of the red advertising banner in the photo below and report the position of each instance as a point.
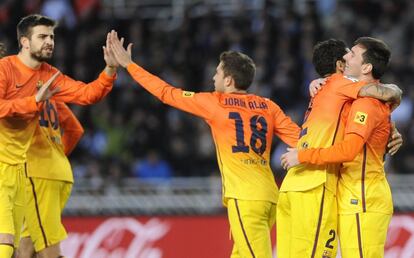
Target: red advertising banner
(183, 237)
(142, 237)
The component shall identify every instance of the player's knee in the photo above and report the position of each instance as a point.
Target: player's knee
(7, 239)
(26, 255)
(52, 251)
(26, 249)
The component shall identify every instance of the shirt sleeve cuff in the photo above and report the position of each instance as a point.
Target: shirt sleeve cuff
(133, 67)
(302, 155)
(104, 77)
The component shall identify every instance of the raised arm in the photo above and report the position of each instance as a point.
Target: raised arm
(77, 92)
(353, 88)
(199, 104)
(384, 92)
(81, 93)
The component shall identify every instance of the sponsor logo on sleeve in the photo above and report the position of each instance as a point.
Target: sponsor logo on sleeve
(188, 94)
(361, 118)
(305, 145)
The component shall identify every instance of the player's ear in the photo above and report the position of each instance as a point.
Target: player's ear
(366, 68)
(228, 81)
(24, 42)
(340, 65)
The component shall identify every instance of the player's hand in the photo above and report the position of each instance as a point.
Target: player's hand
(396, 95)
(45, 92)
(109, 56)
(289, 159)
(315, 86)
(122, 55)
(395, 141)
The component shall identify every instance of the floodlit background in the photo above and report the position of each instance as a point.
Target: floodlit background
(139, 157)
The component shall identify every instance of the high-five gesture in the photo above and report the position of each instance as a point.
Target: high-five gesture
(44, 92)
(122, 55)
(111, 63)
(108, 55)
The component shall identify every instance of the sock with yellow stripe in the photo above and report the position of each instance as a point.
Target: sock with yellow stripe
(6, 250)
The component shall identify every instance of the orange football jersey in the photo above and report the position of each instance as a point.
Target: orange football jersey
(242, 125)
(18, 108)
(322, 128)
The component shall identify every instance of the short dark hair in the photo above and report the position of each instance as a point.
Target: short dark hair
(3, 50)
(25, 25)
(377, 54)
(240, 67)
(326, 54)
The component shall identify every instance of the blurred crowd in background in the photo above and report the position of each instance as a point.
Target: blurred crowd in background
(132, 134)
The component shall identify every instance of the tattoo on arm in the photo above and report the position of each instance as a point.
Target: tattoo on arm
(381, 92)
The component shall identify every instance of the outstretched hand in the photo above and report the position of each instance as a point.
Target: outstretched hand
(109, 57)
(290, 158)
(122, 55)
(45, 92)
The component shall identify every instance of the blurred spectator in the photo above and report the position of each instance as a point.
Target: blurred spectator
(60, 10)
(153, 168)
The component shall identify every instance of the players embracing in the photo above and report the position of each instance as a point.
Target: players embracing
(353, 201)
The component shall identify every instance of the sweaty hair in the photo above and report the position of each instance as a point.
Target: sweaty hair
(25, 26)
(240, 67)
(377, 54)
(2, 50)
(326, 54)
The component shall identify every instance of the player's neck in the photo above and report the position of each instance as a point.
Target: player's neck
(367, 78)
(237, 92)
(233, 89)
(26, 59)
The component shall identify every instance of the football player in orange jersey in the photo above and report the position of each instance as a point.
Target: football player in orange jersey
(72, 132)
(242, 126)
(23, 96)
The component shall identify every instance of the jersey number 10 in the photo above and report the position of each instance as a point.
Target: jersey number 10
(52, 116)
(258, 134)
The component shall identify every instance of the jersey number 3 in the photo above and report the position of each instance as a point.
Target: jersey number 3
(258, 126)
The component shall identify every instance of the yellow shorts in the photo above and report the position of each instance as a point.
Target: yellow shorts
(251, 223)
(363, 234)
(45, 200)
(306, 224)
(12, 199)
